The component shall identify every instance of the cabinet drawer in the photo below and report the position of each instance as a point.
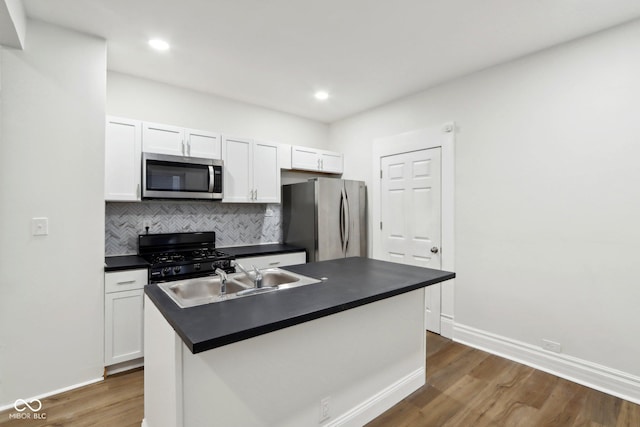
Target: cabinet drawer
(125, 280)
(271, 261)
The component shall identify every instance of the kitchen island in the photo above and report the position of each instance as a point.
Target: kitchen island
(339, 352)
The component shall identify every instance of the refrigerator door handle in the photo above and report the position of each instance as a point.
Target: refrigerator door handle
(344, 217)
(342, 220)
(347, 221)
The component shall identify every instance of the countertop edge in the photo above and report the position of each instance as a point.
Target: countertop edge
(262, 329)
(272, 327)
(133, 262)
(124, 262)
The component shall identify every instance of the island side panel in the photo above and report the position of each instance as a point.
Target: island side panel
(365, 360)
(162, 370)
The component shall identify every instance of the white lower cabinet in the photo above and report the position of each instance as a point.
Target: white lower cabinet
(272, 261)
(123, 315)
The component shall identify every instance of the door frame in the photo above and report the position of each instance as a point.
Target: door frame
(444, 137)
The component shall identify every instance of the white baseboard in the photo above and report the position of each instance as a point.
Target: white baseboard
(381, 401)
(446, 326)
(593, 375)
(125, 366)
(52, 393)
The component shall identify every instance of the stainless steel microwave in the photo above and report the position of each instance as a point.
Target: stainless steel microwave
(175, 177)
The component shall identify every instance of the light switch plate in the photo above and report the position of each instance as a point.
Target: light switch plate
(40, 226)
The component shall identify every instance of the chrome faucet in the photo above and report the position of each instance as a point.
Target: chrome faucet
(257, 276)
(223, 281)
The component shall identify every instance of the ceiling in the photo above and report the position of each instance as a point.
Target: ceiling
(277, 53)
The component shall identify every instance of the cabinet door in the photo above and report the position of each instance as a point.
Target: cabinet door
(238, 170)
(163, 139)
(123, 329)
(304, 158)
(122, 159)
(330, 162)
(203, 144)
(275, 260)
(266, 173)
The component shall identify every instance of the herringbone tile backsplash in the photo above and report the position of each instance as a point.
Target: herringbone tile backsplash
(234, 223)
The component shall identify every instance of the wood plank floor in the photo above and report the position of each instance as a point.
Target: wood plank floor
(465, 388)
(114, 402)
(470, 388)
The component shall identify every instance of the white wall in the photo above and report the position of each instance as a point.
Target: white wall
(142, 99)
(547, 195)
(51, 165)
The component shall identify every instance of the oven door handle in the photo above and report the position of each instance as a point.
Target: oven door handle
(210, 179)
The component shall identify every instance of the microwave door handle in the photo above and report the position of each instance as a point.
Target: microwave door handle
(210, 179)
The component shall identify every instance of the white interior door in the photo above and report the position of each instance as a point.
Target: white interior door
(411, 216)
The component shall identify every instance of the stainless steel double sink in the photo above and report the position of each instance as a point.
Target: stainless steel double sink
(206, 290)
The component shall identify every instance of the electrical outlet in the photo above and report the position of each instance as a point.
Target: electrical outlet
(324, 409)
(552, 346)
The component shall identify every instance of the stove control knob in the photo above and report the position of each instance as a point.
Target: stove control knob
(213, 266)
(166, 271)
(196, 267)
(176, 269)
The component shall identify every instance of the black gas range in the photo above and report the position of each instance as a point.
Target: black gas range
(175, 256)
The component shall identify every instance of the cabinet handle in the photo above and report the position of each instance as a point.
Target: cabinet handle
(255, 197)
(183, 148)
(126, 282)
(319, 168)
(322, 164)
(274, 263)
(138, 191)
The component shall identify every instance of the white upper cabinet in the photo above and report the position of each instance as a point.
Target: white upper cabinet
(238, 166)
(123, 139)
(177, 141)
(162, 139)
(251, 171)
(304, 158)
(266, 173)
(330, 162)
(313, 159)
(200, 143)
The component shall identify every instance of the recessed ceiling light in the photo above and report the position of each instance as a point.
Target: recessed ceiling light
(321, 95)
(159, 44)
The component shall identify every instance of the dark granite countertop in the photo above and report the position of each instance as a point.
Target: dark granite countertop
(131, 262)
(259, 250)
(124, 262)
(351, 282)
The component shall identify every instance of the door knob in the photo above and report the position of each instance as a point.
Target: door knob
(434, 250)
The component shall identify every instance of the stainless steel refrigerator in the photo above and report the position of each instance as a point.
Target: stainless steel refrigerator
(326, 216)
